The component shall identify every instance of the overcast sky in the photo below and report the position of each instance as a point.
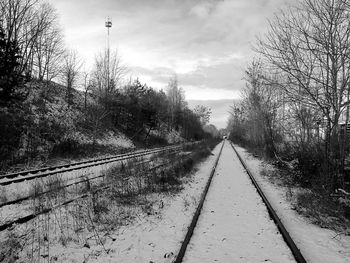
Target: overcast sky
(207, 43)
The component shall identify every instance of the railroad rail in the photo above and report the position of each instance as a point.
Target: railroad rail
(83, 180)
(50, 168)
(287, 238)
(195, 218)
(43, 172)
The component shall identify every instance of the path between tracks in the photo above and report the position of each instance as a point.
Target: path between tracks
(234, 225)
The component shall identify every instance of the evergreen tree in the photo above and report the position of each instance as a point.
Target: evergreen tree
(11, 80)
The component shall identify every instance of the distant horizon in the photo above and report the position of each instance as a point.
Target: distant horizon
(220, 110)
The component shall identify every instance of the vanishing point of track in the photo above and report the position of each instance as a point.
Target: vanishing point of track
(287, 238)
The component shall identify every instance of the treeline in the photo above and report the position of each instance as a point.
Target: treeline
(295, 106)
(33, 119)
(137, 110)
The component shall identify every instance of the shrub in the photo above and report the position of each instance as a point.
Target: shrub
(10, 248)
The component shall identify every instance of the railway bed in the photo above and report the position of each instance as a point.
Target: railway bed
(234, 221)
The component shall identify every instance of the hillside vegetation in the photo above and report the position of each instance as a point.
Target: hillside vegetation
(44, 126)
(89, 112)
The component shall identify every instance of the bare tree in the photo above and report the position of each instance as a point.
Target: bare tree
(176, 99)
(49, 47)
(70, 73)
(203, 113)
(309, 45)
(24, 21)
(107, 75)
(261, 103)
(87, 86)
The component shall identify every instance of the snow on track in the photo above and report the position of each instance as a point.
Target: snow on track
(234, 225)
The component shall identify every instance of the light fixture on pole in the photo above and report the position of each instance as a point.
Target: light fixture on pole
(108, 24)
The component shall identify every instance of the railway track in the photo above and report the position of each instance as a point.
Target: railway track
(82, 180)
(287, 238)
(33, 215)
(18, 177)
(51, 168)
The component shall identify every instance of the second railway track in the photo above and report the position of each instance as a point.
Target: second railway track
(18, 177)
(57, 167)
(28, 217)
(192, 228)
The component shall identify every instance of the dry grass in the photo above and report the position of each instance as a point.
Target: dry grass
(3, 195)
(321, 208)
(9, 248)
(126, 192)
(324, 210)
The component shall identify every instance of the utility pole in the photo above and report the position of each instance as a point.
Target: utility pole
(108, 24)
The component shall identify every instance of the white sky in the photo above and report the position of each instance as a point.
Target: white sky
(207, 43)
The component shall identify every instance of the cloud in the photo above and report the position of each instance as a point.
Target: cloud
(219, 77)
(165, 31)
(202, 10)
(206, 42)
(222, 76)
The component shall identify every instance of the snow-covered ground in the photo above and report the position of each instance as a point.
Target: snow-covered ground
(26, 188)
(118, 140)
(234, 225)
(154, 237)
(315, 243)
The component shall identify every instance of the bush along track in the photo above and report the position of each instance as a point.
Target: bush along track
(98, 208)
